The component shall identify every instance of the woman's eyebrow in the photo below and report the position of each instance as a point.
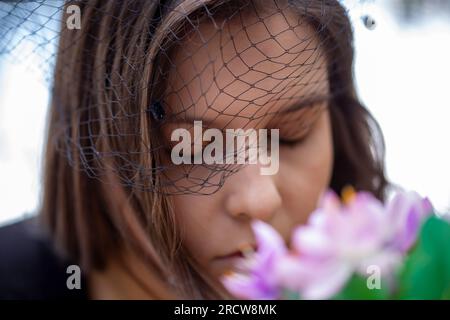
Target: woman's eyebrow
(298, 105)
(188, 119)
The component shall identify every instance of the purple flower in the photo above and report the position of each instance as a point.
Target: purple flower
(340, 239)
(259, 280)
(407, 210)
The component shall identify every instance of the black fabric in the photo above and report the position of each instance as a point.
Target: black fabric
(30, 268)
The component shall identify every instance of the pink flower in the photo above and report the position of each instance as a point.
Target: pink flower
(260, 281)
(342, 239)
(339, 240)
(407, 210)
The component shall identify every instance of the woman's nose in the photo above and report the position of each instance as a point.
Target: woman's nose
(251, 194)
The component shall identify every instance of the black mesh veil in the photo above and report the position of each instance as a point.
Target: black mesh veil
(126, 76)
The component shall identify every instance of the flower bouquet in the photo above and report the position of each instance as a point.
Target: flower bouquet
(354, 248)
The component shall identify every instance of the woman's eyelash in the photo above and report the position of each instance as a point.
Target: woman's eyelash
(293, 139)
(298, 138)
(291, 142)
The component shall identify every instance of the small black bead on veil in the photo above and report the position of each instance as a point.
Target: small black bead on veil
(157, 110)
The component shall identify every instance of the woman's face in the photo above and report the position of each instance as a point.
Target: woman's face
(251, 75)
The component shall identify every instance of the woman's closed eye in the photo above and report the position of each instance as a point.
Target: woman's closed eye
(294, 136)
(296, 130)
(291, 142)
(194, 146)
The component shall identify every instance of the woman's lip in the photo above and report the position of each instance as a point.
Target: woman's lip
(243, 252)
(236, 254)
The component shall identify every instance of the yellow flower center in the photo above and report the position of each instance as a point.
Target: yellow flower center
(348, 194)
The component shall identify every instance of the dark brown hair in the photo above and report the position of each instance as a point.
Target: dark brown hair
(90, 218)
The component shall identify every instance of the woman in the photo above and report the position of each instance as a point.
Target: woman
(115, 203)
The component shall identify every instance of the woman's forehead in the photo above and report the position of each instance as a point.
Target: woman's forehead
(246, 67)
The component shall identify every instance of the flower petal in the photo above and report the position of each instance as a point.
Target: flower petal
(333, 281)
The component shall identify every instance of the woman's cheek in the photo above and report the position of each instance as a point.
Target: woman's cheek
(191, 218)
(306, 170)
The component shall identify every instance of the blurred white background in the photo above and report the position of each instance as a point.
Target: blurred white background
(403, 75)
